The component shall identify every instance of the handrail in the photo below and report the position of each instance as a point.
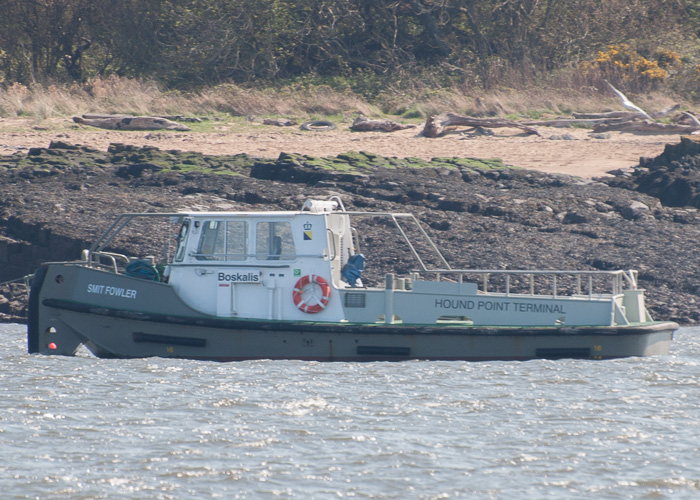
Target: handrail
(355, 240)
(616, 272)
(619, 278)
(113, 230)
(220, 257)
(94, 258)
(408, 242)
(394, 218)
(339, 201)
(331, 239)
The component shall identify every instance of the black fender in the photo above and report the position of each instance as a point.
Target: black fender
(33, 335)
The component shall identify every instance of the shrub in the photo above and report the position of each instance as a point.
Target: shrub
(624, 66)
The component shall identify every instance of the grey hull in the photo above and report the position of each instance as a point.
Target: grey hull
(63, 316)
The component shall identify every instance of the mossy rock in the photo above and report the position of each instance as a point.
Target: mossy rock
(319, 163)
(418, 163)
(473, 163)
(59, 163)
(228, 172)
(356, 157)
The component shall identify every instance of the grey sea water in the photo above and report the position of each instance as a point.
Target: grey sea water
(85, 428)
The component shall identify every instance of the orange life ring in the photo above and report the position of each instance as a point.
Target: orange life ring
(321, 302)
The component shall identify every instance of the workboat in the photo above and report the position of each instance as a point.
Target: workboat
(289, 285)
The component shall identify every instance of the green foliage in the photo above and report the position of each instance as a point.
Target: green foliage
(360, 46)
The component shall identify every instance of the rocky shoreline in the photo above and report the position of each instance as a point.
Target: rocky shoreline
(482, 213)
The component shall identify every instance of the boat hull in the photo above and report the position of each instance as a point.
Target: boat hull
(60, 324)
(111, 336)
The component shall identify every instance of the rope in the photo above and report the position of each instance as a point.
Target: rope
(17, 280)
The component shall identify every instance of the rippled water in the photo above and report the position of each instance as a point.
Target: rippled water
(84, 428)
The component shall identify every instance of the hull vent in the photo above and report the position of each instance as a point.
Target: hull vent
(355, 300)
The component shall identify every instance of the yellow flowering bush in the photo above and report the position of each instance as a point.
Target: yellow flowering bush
(622, 63)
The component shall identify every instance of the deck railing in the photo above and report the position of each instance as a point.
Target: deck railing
(97, 259)
(543, 282)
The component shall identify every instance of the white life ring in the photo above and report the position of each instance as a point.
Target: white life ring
(320, 302)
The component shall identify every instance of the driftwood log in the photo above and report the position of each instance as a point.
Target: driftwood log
(639, 121)
(364, 124)
(435, 126)
(180, 118)
(279, 122)
(645, 126)
(175, 118)
(564, 123)
(609, 115)
(625, 114)
(123, 122)
(594, 119)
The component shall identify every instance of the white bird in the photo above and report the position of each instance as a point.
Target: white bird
(695, 121)
(627, 103)
(693, 118)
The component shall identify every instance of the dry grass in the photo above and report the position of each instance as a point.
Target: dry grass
(119, 95)
(558, 94)
(320, 100)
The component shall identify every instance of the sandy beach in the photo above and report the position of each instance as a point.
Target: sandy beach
(583, 154)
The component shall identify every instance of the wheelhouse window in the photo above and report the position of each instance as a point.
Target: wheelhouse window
(223, 240)
(274, 241)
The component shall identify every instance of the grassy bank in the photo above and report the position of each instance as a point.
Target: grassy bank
(309, 101)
